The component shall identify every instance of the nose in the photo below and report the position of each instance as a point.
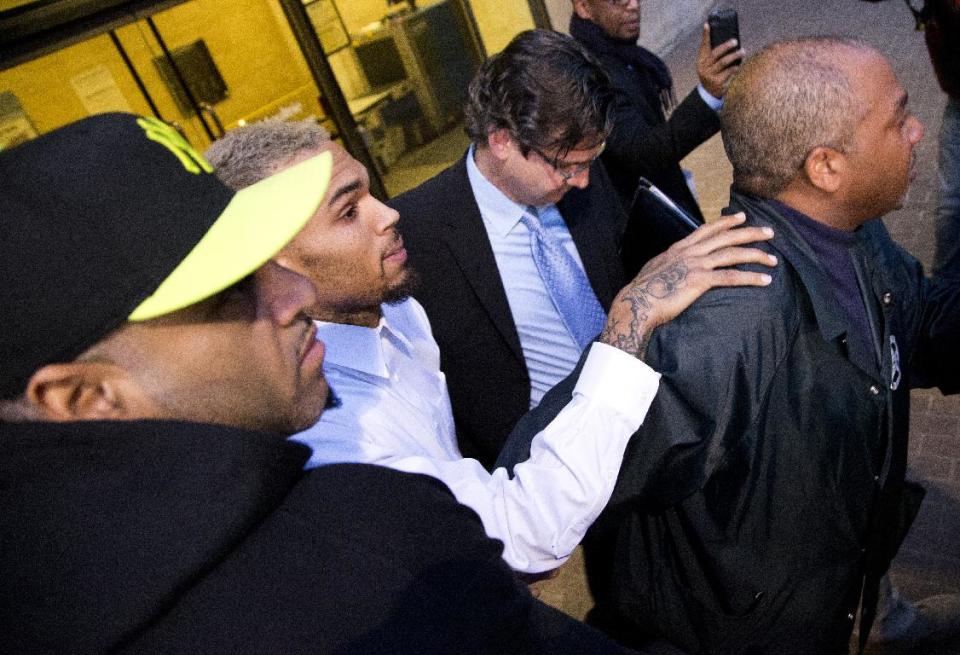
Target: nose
(581, 180)
(914, 129)
(283, 294)
(387, 217)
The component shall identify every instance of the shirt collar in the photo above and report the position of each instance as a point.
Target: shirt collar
(499, 212)
(361, 348)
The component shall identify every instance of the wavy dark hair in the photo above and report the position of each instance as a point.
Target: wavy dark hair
(546, 90)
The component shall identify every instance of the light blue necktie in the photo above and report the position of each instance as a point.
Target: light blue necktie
(566, 282)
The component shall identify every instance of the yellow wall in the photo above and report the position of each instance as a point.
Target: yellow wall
(46, 94)
(252, 47)
(358, 13)
(499, 21)
(249, 41)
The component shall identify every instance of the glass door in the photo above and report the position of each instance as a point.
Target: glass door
(87, 78)
(205, 66)
(387, 77)
(404, 66)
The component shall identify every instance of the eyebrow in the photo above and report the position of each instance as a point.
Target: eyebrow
(902, 102)
(345, 190)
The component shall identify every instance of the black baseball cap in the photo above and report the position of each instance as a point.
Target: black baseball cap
(115, 218)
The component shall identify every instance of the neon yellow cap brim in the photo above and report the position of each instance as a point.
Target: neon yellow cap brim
(257, 223)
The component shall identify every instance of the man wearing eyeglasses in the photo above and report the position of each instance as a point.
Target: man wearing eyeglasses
(516, 245)
(644, 142)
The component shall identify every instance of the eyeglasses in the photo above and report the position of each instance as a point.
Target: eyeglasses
(569, 171)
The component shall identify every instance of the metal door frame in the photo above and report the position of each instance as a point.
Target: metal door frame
(541, 17)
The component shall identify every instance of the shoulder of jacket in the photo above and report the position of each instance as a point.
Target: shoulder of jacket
(744, 310)
(376, 489)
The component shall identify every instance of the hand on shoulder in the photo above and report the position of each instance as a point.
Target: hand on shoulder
(673, 280)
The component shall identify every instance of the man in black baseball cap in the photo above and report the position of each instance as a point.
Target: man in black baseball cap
(116, 218)
(152, 358)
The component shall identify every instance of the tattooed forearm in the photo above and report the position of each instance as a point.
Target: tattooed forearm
(631, 335)
(631, 320)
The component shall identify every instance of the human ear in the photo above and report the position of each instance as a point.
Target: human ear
(582, 9)
(825, 168)
(78, 391)
(500, 143)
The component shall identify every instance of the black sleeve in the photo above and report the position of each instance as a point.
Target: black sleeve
(363, 559)
(638, 145)
(717, 361)
(925, 312)
(936, 358)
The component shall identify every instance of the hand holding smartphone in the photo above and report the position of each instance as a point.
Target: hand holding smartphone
(724, 25)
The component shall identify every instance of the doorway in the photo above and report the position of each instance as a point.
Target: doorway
(387, 78)
(205, 66)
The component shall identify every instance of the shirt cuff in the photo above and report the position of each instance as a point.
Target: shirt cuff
(618, 380)
(714, 103)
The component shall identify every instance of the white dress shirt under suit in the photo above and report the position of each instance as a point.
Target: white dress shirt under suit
(395, 412)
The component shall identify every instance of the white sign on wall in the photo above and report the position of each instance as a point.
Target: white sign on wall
(98, 91)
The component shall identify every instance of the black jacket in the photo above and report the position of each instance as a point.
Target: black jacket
(644, 142)
(765, 490)
(942, 33)
(183, 538)
(463, 295)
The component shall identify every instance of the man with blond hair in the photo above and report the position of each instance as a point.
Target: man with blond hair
(384, 364)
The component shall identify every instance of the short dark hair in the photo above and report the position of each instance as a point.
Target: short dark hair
(248, 154)
(787, 99)
(546, 90)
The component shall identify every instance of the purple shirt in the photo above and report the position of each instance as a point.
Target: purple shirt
(833, 248)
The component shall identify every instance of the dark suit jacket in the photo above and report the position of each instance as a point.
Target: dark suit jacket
(461, 290)
(172, 537)
(644, 142)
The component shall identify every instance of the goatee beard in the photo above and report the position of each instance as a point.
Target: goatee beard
(404, 289)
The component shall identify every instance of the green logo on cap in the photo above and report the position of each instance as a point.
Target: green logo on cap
(173, 141)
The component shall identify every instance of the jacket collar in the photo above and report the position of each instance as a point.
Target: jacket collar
(795, 250)
(627, 51)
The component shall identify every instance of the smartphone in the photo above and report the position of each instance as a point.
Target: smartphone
(723, 26)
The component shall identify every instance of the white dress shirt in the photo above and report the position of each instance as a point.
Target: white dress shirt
(395, 412)
(548, 349)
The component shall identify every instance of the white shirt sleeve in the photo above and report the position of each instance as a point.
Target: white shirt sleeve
(542, 513)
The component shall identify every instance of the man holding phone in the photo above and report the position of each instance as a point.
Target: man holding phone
(644, 141)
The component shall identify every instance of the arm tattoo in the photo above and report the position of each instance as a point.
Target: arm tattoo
(633, 335)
